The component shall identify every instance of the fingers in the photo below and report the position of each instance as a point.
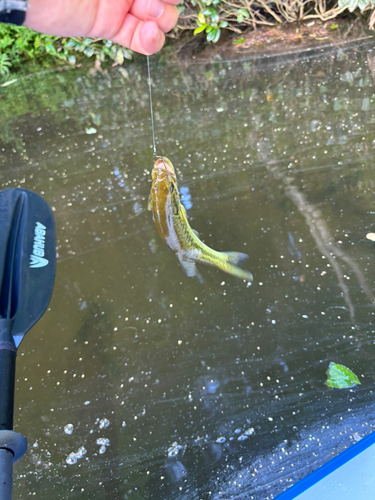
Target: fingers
(151, 38)
(143, 28)
(142, 37)
(172, 2)
(136, 24)
(108, 18)
(163, 13)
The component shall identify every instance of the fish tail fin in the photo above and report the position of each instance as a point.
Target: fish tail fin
(236, 258)
(231, 265)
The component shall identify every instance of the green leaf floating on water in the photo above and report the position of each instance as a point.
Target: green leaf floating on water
(340, 377)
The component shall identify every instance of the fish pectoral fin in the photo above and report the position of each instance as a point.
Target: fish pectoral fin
(149, 204)
(190, 268)
(236, 258)
(195, 232)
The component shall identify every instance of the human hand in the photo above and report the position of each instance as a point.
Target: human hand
(138, 25)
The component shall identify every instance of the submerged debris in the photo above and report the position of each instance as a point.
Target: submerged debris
(340, 377)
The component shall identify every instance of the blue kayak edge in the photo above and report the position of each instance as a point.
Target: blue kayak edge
(311, 480)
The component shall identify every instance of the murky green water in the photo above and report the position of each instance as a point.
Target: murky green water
(213, 390)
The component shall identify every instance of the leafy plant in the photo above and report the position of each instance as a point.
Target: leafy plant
(19, 45)
(209, 21)
(5, 64)
(211, 16)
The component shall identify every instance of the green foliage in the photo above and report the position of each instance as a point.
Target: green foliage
(211, 16)
(5, 64)
(340, 377)
(19, 45)
(209, 21)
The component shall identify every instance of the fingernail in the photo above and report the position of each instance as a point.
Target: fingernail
(155, 8)
(157, 37)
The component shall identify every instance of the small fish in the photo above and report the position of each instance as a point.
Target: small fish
(174, 229)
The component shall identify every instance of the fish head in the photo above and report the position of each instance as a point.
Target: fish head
(164, 177)
(162, 163)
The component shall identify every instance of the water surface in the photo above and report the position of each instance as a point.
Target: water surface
(140, 382)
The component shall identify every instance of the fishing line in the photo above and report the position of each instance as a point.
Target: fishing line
(151, 107)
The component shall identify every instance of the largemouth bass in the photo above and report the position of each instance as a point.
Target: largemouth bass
(174, 228)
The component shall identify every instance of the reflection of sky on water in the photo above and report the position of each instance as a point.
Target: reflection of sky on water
(185, 197)
(293, 250)
(119, 177)
(141, 383)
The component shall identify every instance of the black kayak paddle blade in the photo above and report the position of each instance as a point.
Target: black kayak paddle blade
(27, 261)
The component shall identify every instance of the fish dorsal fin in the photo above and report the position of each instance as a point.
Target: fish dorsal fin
(184, 218)
(183, 213)
(176, 204)
(176, 207)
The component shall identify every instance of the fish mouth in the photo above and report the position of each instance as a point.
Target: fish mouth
(162, 163)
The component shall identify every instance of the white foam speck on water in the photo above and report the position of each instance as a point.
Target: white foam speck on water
(242, 437)
(220, 440)
(104, 423)
(174, 449)
(69, 428)
(73, 457)
(102, 441)
(81, 451)
(250, 431)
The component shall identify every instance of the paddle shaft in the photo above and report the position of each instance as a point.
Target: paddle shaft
(7, 380)
(6, 474)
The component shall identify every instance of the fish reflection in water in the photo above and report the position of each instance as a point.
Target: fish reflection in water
(173, 227)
